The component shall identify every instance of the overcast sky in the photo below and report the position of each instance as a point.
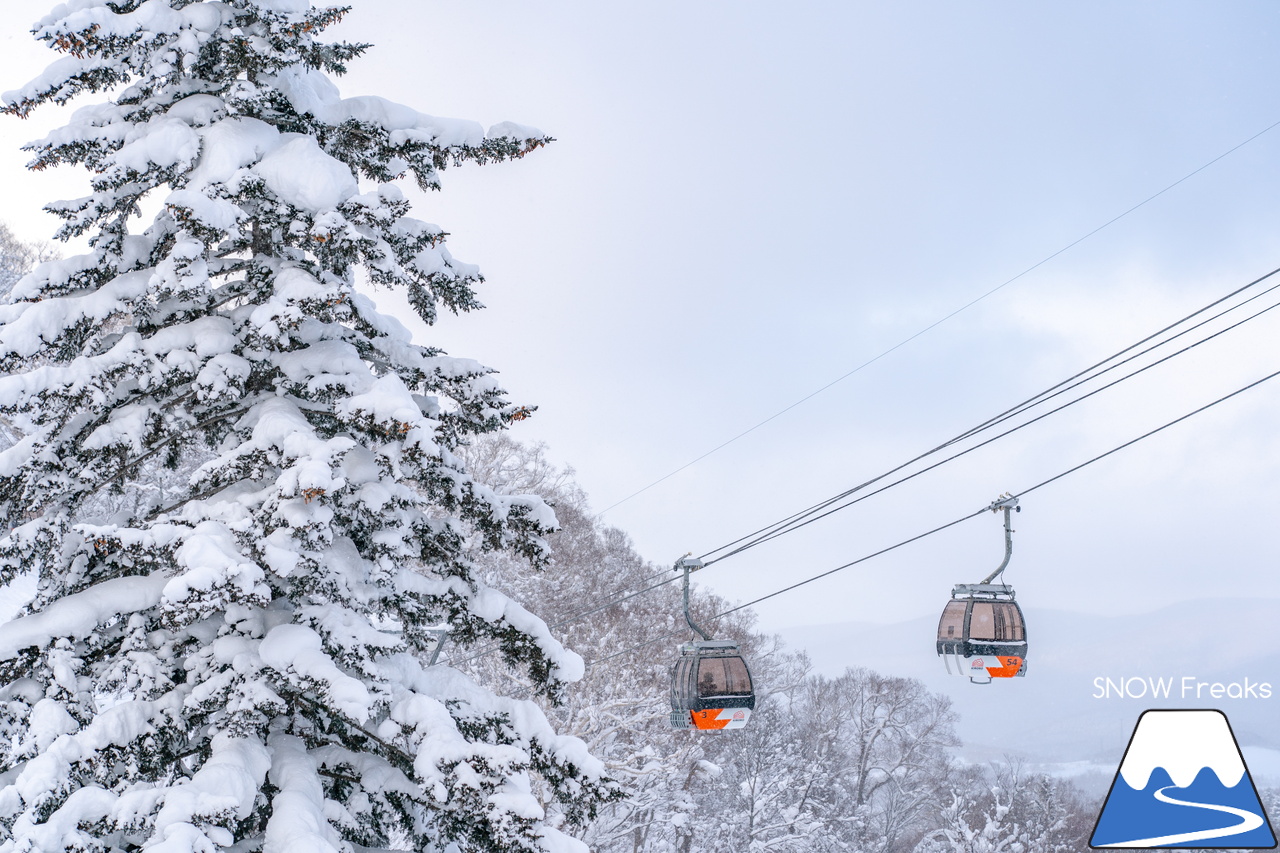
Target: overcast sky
(747, 201)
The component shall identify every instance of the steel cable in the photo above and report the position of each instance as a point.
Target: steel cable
(960, 520)
(805, 516)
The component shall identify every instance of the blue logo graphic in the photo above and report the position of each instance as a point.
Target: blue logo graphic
(1183, 784)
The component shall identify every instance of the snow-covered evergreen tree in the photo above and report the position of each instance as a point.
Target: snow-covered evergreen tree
(237, 663)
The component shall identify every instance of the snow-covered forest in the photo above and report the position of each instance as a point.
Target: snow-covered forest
(863, 762)
(296, 586)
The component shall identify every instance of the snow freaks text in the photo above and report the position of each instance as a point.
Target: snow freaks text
(1186, 687)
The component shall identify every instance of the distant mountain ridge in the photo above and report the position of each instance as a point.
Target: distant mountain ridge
(1052, 715)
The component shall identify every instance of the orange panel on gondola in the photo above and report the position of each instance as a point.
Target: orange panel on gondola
(709, 719)
(1009, 667)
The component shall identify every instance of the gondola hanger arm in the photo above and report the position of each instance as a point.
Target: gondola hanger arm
(1005, 503)
(689, 564)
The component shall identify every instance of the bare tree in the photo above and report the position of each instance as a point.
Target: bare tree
(17, 258)
(1004, 808)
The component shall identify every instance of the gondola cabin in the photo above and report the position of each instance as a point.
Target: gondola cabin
(711, 687)
(982, 633)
